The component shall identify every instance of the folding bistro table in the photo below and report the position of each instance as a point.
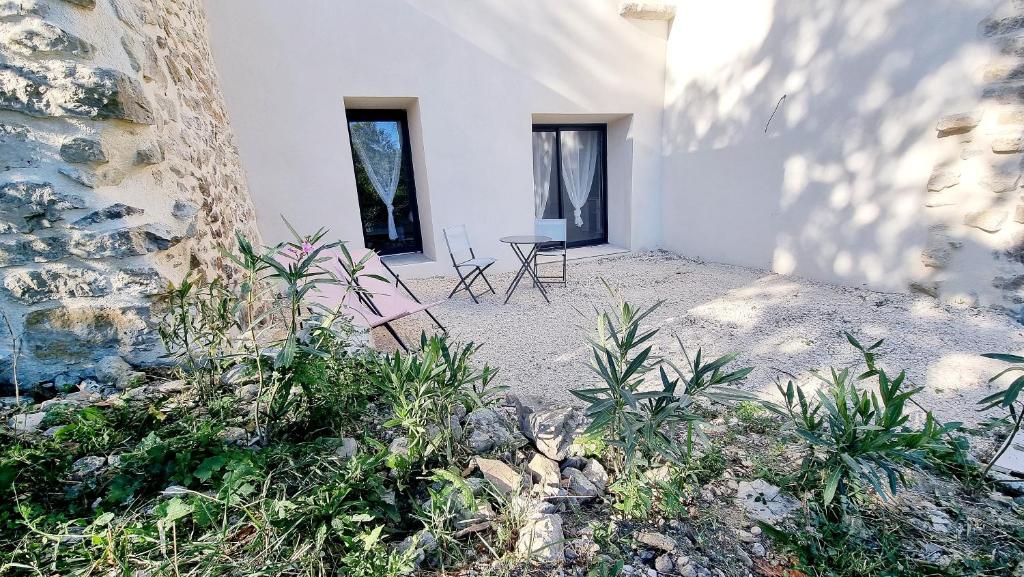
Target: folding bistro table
(525, 248)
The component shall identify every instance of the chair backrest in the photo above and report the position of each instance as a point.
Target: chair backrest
(378, 299)
(553, 228)
(457, 240)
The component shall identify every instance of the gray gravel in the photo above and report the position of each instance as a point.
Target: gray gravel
(776, 323)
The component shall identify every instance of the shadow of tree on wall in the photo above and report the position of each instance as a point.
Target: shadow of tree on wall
(834, 186)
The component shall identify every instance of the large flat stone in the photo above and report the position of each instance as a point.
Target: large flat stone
(989, 220)
(26, 249)
(943, 178)
(56, 282)
(958, 123)
(68, 89)
(80, 333)
(82, 151)
(36, 37)
(121, 243)
(27, 205)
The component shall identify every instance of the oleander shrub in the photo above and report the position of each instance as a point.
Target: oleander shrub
(858, 436)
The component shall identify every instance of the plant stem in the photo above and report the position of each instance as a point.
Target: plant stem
(15, 352)
(1006, 444)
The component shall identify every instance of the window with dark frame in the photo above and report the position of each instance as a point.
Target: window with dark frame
(382, 158)
(565, 181)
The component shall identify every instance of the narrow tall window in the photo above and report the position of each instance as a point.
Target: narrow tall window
(384, 180)
(569, 176)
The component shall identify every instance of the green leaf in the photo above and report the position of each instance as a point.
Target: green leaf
(177, 509)
(832, 485)
(1004, 357)
(208, 467)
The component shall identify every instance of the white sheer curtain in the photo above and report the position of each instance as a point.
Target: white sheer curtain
(579, 160)
(543, 157)
(379, 147)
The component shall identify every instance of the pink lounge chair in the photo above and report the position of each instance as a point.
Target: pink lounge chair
(371, 301)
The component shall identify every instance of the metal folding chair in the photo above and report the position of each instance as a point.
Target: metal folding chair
(555, 229)
(463, 258)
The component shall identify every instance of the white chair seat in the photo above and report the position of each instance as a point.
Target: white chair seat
(480, 262)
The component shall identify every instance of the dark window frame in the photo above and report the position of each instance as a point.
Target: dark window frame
(603, 129)
(402, 117)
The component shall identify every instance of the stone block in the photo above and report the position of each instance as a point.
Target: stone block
(958, 123)
(108, 176)
(79, 333)
(1008, 144)
(67, 89)
(1013, 115)
(122, 243)
(13, 8)
(1004, 72)
(59, 282)
(150, 154)
(26, 206)
(31, 249)
(116, 211)
(936, 199)
(82, 151)
(988, 220)
(943, 178)
(36, 37)
(1000, 181)
(56, 282)
(89, 4)
(648, 10)
(997, 26)
(1004, 93)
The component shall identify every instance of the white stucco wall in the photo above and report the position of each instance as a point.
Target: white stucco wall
(474, 75)
(835, 189)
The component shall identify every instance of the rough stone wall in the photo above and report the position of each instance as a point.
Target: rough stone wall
(117, 173)
(974, 204)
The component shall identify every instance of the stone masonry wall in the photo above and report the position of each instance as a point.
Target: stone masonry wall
(117, 173)
(974, 205)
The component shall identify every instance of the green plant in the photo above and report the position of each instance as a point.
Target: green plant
(605, 568)
(637, 418)
(196, 328)
(708, 380)
(755, 417)
(857, 437)
(633, 494)
(1008, 399)
(423, 390)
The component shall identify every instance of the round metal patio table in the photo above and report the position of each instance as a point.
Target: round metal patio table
(525, 247)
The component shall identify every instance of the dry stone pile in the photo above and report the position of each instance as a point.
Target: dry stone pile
(117, 173)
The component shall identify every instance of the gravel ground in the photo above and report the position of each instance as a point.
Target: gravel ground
(778, 324)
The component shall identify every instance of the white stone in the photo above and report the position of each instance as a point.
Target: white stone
(541, 539)
(503, 477)
(765, 502)
(26, 422)
(988, 220)
(544, 470)
(657, 541)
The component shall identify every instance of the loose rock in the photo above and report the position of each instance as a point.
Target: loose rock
(765, 502)
(657, 540)
(504, 478)
(541, 539)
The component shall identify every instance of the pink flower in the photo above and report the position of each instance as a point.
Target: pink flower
(306, 247)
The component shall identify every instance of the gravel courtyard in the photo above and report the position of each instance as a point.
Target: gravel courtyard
(777, 324)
